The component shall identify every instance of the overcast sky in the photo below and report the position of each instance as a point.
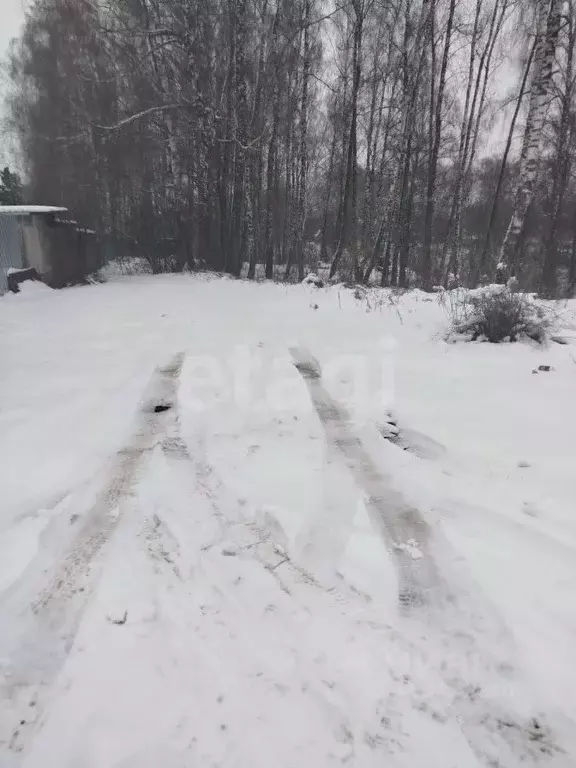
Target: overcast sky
(12, 18)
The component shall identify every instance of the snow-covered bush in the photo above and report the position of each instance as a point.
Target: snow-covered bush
(497, 313)
(373, 299)
(313, 279)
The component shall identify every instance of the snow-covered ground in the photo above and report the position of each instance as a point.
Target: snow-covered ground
(252, 575)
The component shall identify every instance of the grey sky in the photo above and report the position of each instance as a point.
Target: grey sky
(12, 17)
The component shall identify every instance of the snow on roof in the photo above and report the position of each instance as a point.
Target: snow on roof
(23, 210)
(72, 223)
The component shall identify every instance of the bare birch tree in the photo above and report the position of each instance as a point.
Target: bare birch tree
(548, 26)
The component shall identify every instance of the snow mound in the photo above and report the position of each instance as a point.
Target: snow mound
(30, 289)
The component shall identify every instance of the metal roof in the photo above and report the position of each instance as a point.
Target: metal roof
(24, 210)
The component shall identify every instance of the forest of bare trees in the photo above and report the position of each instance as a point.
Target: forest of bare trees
(412, 142)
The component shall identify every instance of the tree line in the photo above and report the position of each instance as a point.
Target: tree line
(273, 136)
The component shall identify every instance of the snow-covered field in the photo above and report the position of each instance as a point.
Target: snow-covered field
(253, 576)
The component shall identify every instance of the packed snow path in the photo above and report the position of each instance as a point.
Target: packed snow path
(57, 596)
(454, 619)
(217, 592)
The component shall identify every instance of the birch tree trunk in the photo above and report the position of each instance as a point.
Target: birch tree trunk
(549, 14)
(348, 227)
(327, 198)
(303, 149)
(239, 230)
(480, 267)
(412, 58)
(272, 156)
(473, 111)
(255, 159)
(562, 167)
(433, 160)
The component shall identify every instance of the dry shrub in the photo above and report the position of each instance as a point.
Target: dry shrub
(373, 299)
(497, 313)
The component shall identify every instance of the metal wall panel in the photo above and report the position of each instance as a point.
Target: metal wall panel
(11, 254)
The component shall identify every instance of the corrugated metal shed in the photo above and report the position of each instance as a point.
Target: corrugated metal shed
(11, 249)
(34, 237)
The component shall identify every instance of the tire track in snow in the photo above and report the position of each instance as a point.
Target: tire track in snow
(401, 525)
(448, 620)
(33, 653)
(102, 518)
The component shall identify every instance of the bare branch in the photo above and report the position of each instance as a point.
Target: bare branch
(140, 115)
